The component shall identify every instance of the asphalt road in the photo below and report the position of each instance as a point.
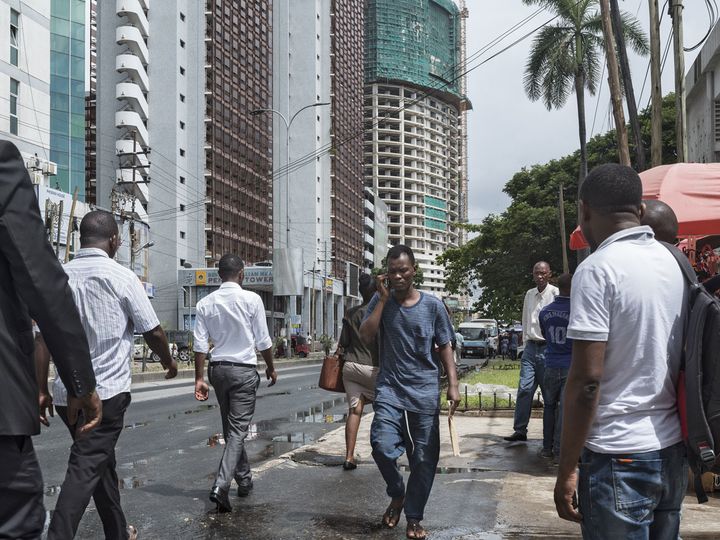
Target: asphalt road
(169, 450)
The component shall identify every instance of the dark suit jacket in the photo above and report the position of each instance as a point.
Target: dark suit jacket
(32, 284)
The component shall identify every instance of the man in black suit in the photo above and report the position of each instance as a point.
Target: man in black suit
(32, 285)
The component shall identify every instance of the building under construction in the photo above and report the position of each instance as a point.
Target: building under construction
(415, 139)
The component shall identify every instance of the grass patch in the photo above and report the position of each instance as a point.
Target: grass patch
(494, 373)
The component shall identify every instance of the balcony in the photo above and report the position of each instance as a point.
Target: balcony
(369, 222)
(369, 206)
(125, 176)
(131, 64)
(369, 240)
(368, 256)
(132, 9)
(131, 36)
(132, 93)
(133, 121)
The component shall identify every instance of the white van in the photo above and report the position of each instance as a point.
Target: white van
(480, 338)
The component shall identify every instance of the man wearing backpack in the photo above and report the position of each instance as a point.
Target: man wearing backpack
(628, 310)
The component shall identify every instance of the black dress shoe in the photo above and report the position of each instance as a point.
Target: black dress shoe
(349, 465)
(220, 497)
(516, 437)
(244, 489)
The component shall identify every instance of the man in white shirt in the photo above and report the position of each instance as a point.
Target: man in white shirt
(627, 317)
(233, 319)
(532, 363)
(112, 304)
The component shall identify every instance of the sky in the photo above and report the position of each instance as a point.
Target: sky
(506, 131)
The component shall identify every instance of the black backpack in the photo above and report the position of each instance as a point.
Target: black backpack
(699, 389)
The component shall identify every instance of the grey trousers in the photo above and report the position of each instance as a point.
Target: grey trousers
(235, 388)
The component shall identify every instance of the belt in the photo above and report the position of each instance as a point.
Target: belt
(538, 341)
(231, 364)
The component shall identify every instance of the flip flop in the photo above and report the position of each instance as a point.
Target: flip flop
(132, 532)
(392, 516)
(415, 531)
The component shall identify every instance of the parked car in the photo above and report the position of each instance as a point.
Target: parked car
(180, 342)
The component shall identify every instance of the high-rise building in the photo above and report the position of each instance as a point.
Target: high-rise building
(176, 153)
(318, 211)
(67, 94)
(414, 116)
(25, 81)
(90, 107)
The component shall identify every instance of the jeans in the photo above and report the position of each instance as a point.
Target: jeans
(632, 496)
(532, 368)
(395, 431)
(554, 383)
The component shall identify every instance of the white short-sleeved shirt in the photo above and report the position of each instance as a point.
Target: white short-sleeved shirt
(113, 305)
(532, 306)
(234, 320)
(631, 294)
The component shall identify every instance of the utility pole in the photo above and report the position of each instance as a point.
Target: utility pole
(614, 80)
(563, 237)
(655, 87)
(59, 228)
(617, 25)
(676, 12)
(68, 238)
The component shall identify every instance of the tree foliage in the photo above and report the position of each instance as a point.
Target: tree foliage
(499, 259)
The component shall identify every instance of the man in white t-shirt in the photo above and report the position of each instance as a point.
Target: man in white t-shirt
(628, 310)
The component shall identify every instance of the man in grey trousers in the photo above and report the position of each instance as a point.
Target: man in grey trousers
(233, 319)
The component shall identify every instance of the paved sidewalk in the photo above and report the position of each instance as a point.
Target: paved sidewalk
(493, 490)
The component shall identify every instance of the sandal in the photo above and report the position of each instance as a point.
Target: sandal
(415, 531)
(132, 532)
(392, 514)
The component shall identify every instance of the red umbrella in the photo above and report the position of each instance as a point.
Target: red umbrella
(692, 190)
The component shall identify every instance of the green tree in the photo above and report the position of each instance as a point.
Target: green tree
(500, 257)
(566, 57)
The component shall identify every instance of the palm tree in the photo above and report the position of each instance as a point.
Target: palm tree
(566, 57)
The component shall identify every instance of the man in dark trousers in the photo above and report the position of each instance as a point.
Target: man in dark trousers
(233, 319)
(113, 305)
(32, 284)
(407, 405)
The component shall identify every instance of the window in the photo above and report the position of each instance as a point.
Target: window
(182, 234)
(182, 70)
(182, 124)
(182, 179)
(14, 36)
(182, 152)
(182, 44)
(182, 98)
(182, 207)
(182, 16)
(14, 92)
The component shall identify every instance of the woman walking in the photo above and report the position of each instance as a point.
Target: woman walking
(360, 368)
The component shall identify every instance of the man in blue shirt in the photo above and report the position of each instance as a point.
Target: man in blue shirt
(407, 391)
(554, 320)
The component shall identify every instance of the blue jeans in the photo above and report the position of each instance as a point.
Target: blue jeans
(632, 496)
(532, 368)
(554, 383)
(395, 431)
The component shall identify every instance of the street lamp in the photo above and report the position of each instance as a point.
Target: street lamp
(288, 123)
(257, 112)
(144, 246)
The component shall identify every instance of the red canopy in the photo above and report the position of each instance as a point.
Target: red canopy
(692, 190)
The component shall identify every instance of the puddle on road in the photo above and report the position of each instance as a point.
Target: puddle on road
(133, 482)
(136, 425)
(318, 415)
(453, 470)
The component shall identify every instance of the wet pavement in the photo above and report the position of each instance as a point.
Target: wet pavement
(170, 448)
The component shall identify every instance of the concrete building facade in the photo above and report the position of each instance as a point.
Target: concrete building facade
(414, 112)
(702, 84)
(317, 91)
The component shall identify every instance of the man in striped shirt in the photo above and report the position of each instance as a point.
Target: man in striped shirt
(112, 305)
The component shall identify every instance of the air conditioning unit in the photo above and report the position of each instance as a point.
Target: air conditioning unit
(49, 168)
(36, 177)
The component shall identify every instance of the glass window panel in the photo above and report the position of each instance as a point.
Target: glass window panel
(14, 36)
(60, 145)
(77, 68)
(59, 102)
(14, 56)
(78, 31)
(77, 129)
(59, 64)
(77, 48)
(59, 43)
(59, 123)
(14, 18)
(60, 8)
(78, 163)
(13, 104)
(14, 125)
(14, 86)
(77, 105)
(60, 26)
(59, 84)
(77, 10)
(78, 87)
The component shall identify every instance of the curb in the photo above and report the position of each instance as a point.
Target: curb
(190, 373)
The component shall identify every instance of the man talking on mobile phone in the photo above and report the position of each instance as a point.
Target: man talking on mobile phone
(410, 323)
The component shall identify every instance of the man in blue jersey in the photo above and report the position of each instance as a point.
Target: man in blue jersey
(554, 320)
(407, 405)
